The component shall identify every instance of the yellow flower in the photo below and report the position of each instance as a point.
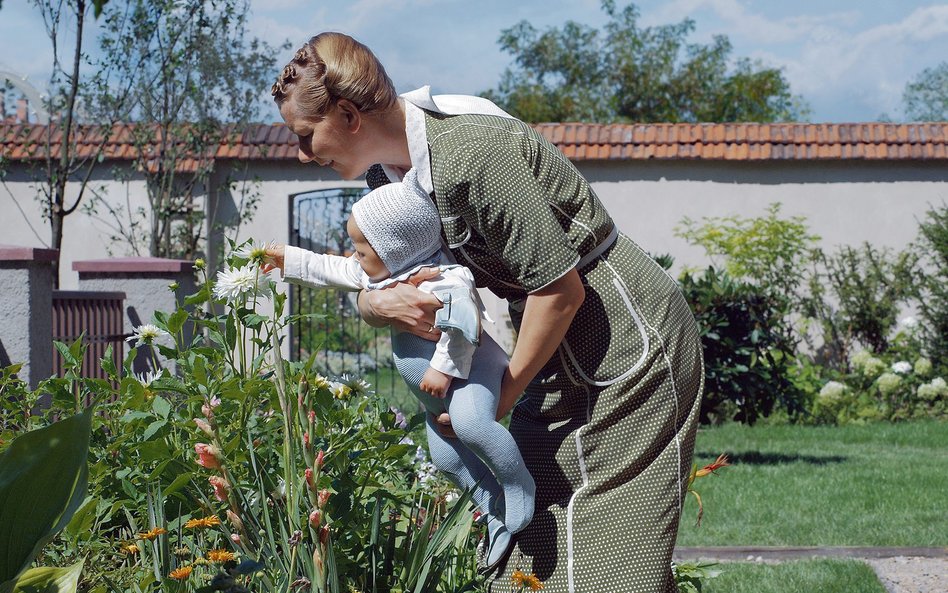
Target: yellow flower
(521, 579)
(152, 534)
(220, 555)
(130, 549)
(182, 573)
(203, 522)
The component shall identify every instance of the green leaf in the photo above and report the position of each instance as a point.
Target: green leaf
(153, 428)
(201, 296)
(43, 478)
(82, 521)
(176, 321)
(63, 350)
(46, 579)
(178, 483)
(161, 406)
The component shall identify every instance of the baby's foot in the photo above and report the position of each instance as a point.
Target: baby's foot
(518, 502)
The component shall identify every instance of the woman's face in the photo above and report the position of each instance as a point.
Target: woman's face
(329, 141)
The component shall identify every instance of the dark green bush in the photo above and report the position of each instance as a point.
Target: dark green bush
(747, 355)
(932, 248)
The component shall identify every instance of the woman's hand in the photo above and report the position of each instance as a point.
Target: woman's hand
(274, 258)
(403, 306)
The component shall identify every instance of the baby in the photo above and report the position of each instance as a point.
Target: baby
(396, 231)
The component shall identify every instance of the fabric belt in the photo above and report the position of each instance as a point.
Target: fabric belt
(599, 249)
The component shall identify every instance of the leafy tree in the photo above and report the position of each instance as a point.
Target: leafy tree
(630, 73)
(196, 79)
(926, 97)
(65, 172)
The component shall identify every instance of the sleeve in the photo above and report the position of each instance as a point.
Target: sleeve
(453, 354)
(318, 270)
(497, 194)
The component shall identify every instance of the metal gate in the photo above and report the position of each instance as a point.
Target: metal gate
(97, 317)
(341, 341)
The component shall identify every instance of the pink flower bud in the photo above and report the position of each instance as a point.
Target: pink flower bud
(324, 535)
(311, 415)
(309, 477)
(221, 487)
(235, 520)
(314, 518)
(208, 455)
(322, 498)
(205, 426)
(320, 459)
(306, 440)
(235, 538)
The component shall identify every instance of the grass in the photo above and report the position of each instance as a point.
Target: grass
(824, 576)
(874, 485)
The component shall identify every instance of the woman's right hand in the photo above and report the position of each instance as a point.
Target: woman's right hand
(274, 257)
(403, 306)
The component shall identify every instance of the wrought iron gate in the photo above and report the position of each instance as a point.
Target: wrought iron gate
(341, 341)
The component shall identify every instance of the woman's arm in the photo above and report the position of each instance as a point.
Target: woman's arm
(546, 317)
(403, 306)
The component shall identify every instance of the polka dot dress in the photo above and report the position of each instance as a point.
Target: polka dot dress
(607, 427)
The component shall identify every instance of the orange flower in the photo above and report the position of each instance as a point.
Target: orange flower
(720, 462)
(521, 579)
(182, 573)
(220, 555)
(152, 533)
(130, 549)
(203, 522)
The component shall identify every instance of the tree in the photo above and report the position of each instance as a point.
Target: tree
(629, 73)
(62, 162)
(926, 97)
(196, 80)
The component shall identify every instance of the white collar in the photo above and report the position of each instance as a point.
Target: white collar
(422, 99)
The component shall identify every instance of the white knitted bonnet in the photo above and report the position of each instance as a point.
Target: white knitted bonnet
(400, 222)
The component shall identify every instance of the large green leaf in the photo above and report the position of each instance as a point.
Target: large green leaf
(49, 580)
(43, 476)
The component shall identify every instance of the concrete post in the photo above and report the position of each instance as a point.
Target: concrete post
(145, 282)
(26, 311)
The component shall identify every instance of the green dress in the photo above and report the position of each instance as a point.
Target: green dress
(607, 427)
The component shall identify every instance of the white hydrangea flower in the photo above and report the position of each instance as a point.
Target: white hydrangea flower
(148, 334)
(889, 383)
(246, 281)
(923, 366)
(833, 390)
(940, 384)
(909, 322)
(902, 367)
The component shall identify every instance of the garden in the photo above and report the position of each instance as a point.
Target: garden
(230, 468)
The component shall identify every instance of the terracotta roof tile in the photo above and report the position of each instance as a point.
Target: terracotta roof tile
(579, 141)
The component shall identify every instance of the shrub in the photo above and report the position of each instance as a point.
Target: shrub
(746, 355)
(932, 249)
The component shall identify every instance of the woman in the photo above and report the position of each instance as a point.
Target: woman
(607, 360)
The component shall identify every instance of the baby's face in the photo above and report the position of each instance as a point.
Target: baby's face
(369, 260)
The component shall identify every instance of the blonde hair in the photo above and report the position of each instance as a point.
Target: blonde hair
(333, 66)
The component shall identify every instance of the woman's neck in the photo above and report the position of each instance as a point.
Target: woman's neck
(391, 137)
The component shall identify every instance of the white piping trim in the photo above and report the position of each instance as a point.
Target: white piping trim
(620, 287)
(671, 376)
(570, 556)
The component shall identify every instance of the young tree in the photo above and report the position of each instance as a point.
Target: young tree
(926, 97)
(62, 161)
(629, 73)
(197, 82)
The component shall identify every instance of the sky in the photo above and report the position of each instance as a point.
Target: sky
(848, 59)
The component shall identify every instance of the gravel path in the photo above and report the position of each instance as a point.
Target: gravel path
(901, 570)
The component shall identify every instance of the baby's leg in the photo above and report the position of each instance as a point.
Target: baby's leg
(412, 355)
(473, 405)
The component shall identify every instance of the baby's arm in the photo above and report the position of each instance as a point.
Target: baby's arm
(436, 383)
(316, 270)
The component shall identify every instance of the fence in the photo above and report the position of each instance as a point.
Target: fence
(95, 316)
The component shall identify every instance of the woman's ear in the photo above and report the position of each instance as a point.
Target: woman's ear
(350, 114)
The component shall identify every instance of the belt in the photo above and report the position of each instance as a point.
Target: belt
(599, 249)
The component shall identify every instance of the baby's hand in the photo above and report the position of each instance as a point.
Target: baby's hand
(436, 383)
(274, 257)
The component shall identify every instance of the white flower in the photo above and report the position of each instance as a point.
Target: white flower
(888, 383)
(357, 385)
(832, 390)
(147, 334)
(235, 283)
(146, 379)
(902, 367)
(923, 366)
(909, 322)
(253, 251)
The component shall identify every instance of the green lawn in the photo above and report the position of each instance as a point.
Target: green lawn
(874, 485)
(823, 576)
